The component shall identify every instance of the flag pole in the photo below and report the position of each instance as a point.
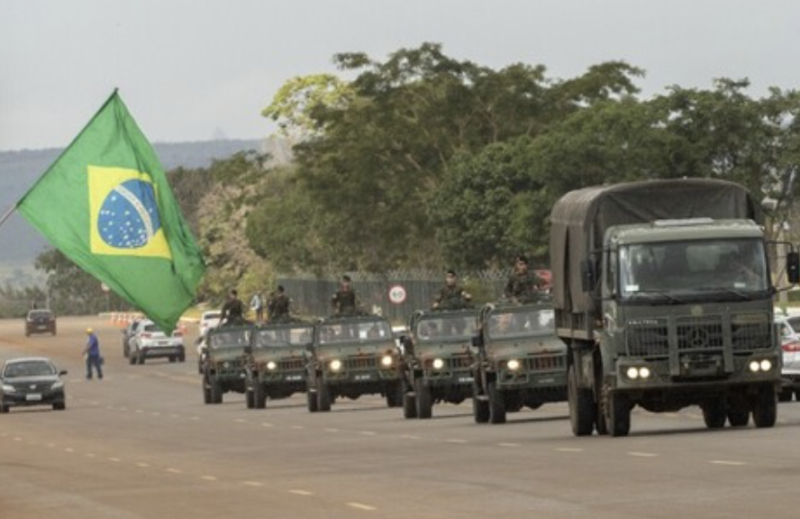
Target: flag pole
(8, 214)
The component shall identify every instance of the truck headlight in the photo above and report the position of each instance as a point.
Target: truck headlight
(763, 365)
(271, 365)
(335, 365)
(638, 372)
(438, 363)
(386, 360)
(513, 364)
(766, 365)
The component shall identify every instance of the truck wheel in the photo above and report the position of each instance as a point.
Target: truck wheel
(715, 413)
(738, 416)
(216, 392)
(259, 396)
(311, 400)
(765, 410)
(785, 395)
(424, 401)
(582, 410)
(394, 394)
(618, 419)
(497, 404)
(323, 396)
(409, 406)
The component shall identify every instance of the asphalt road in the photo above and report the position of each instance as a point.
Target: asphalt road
(141, 444)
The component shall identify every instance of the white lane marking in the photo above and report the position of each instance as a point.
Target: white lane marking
(569, 449)
(728, 463)
(240, 420)
(69, 449)
(409, 436)
(253, 484)
(643, 454)
(209, 478)
(267, 424)
(455, 440)
(115, 460)
(508, 444)
(139, 411)
(142, 465)
(369, 433)
(195, 418)
(301, 492)
(156, 413)
(361, 506)
(298, 427)
(90, 455)
(331, 430)
(173, 415)
(173, 471)
(17, 439)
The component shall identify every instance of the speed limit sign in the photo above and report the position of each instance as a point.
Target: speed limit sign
(397, 294)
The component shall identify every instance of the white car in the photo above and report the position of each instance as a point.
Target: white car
(149, 342)
(208, 320)
(789, 332)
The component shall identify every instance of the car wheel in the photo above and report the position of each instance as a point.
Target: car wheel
(424, 399)
(4, 408)
(59, 406)
(182, 357)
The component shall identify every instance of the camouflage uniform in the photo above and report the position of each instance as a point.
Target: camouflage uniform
(451, 297)
(344, 302)
(523, 287)
(278, 307)
(232, 312)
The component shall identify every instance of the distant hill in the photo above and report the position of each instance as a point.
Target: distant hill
(21, 243)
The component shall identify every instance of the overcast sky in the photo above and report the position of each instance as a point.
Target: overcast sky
(196, 69)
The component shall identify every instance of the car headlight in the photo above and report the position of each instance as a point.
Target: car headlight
(386, 360)
(335, 365)
(513, 364)
(271, 365)
(9, 389)
(438, 363)
(57, 385)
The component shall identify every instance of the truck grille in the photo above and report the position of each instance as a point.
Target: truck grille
(650, 337)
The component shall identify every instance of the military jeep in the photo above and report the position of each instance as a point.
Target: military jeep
(276, 365)
(224, 364)
(352, 356)
(437, 362)
(521, 361)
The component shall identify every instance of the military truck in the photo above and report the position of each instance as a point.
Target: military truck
(224, 365)
(437, 362)
(521, 361)
(352, 356)
(276, 364)
(653, 310)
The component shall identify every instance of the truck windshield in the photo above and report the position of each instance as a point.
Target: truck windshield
(727, 265)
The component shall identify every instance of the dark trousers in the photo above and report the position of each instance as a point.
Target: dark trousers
(94, 360)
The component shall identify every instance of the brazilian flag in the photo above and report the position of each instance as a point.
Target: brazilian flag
(106, 204)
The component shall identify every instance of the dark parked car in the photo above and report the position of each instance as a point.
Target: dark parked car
(40, 321)
(31, 381)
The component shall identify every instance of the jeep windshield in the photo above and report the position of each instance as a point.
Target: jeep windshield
(446, 328)
(522, 322)
(229, 339)
(355, 331)
(283, 337)
(686, 270)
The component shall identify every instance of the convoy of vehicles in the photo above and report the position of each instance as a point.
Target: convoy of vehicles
(437, 360)
(662, 293)
(521, 362)
(352, 356)
(276, 363)
(224, 364)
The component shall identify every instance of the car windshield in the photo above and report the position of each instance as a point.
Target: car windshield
(151, 328)
(359, 331)
(229, 339)
(40, 314)
(446, 327)
(732, 265)
(284, 336)
(521, 323)
(29, 369)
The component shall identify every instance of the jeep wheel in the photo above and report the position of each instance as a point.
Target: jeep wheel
(394, 394)
(249, 399)
(618, 415)
(206, 392)
(259, 396)
(409, 406)
(582, 409)
(311, 399)
(216, 392)
(765, 410)
(497, 405)
(323, 396)
(424, 400)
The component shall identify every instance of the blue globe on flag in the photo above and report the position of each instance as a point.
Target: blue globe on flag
(128, 217)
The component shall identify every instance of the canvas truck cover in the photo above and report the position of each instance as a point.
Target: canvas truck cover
(580, 219)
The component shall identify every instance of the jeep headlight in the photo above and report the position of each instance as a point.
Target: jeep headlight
(271, 365)
(386, 360)
(57, 385)
(438, 363)
(335, 365)
(513, 364)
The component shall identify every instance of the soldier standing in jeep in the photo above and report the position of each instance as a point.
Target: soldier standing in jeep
(452, 296)
(523, 285)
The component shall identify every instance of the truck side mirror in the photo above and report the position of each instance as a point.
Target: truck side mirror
(588, 275)
(793, 267)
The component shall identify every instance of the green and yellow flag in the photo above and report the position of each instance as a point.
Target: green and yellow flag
(106, 204)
